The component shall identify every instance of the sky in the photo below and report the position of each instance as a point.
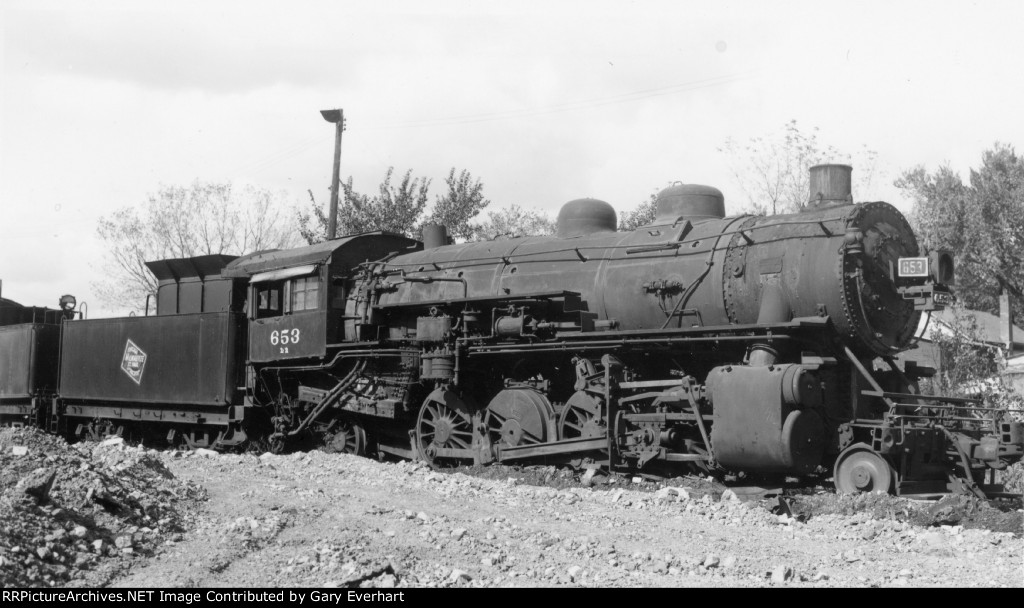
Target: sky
(103, 102)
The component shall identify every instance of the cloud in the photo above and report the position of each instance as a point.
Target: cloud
(170, 49)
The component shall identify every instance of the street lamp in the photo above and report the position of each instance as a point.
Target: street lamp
(338, 118)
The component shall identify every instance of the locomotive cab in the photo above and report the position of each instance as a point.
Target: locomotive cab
(297, 298)
(287, 313)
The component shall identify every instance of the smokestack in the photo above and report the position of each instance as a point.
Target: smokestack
(831, 185)
(434, 235)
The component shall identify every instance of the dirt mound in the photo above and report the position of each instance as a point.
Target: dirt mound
(565, 477)
(65, 510)
(953, 510)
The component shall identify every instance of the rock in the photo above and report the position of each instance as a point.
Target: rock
(97, 545)
(491, 536)
(729, 561)
(588, 477)
(907, 573)
(106, 443)
(43, 552)
(458, 533)
(390, 533)
(932, 539)
(821, 576)
(782, 574)
(730, 497)
(574, 572)
(387, 581)
(205, 453)
(711, 561)
(80, 532)
(122, 542)
(19, 450)
(616, 496)
(422, 516)
(38, 484)
(670, 494)
(638, 480)
(488, 561)
(950, 510)
(459, 576)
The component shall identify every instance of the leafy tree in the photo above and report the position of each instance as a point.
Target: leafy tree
(394, 208)
(463, 202)
(772, 171)
(401, 208)
(643, 214)
(965, 359)
(513, 221)
(981, 223)
(185, 221)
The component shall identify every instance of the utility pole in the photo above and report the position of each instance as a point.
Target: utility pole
(338, 118)
(1006, 322)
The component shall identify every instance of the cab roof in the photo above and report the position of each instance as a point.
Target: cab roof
(353, 250)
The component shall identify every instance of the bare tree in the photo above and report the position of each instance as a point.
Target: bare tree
(185, 221)
(773, 171)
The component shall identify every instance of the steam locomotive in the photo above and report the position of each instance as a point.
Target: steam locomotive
(763, 345)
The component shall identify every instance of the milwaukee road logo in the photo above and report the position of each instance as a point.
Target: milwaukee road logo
(134, 362)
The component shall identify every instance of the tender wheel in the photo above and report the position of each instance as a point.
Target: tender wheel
(519, 417)
(858, 469)
(582, 418)
(443, 432)
(348, 437)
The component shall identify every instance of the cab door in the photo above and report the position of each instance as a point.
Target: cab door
(287, 315)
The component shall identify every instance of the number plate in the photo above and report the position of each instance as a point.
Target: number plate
(942, 298)
(913, 267)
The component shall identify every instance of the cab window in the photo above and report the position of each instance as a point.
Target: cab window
(268, 301)
(304, 294)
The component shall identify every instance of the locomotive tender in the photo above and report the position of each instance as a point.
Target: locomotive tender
(763, 345)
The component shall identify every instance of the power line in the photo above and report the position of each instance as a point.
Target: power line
(566, 106)
(301, 147)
